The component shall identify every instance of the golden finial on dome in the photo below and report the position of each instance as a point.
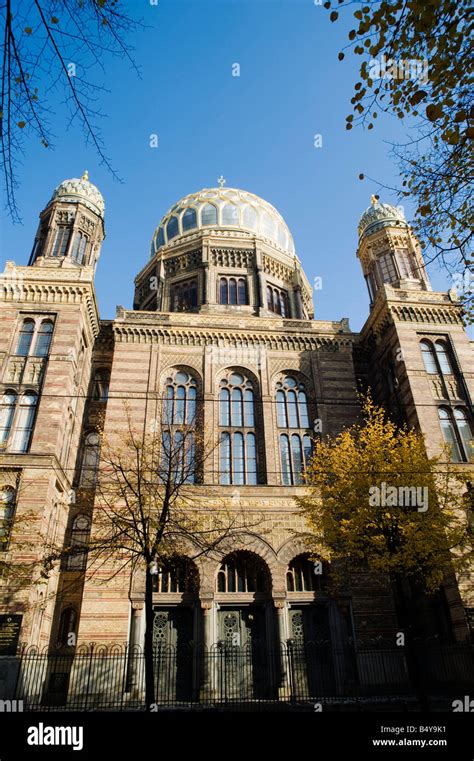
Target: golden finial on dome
(374, 200)
(85, 176)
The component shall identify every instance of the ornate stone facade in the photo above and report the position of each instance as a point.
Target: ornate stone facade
(222, 296)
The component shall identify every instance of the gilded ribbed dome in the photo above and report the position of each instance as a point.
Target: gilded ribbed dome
(223, 208)
(379, 215)
(82, 190)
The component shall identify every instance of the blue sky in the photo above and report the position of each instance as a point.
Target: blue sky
(257, 130)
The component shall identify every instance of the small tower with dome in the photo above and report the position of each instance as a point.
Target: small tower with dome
(71, 228)
(388, 250)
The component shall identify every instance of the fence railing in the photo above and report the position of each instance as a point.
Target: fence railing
(113, 677)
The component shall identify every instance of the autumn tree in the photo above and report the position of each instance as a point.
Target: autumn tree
(52, 53)
(377, 502)
(149, 509)
(416, 62)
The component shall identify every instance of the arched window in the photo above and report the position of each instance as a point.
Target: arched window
(43, 339)
(178, 457)
(238, 445)
(208, 215)
(183, 296)
(443, 358)
(61, 241)
(230, 214)
(179, 406)
(249, 218)
(100, 388)
(224, 291)
(242, 572)
(79, 247)
(7, 509)
(464, 431)
(24, 421)
(76, 560)
(292, 413)
(451, 435)
(172, 228)
(178, 576)
(160, 240)
(189, 219)
(387, 267)
(7, 411)
(277, 301)
(267, 225)
(90, 460)
(67, 627)
(429, 359)
(303, 575)
(25, 337)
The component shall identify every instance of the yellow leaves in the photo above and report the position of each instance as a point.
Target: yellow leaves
(54, 20)
(28, 30)
(334, 16)
(22, 125)
(376, 495)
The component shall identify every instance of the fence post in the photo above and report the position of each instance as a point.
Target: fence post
(89, 674)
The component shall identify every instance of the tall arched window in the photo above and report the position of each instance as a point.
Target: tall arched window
(208, 215)
(172, 228)
(443, 357)
(100, 387)
(7, 509)
(189, 220)
(277, 301)
(292, 413)
(25, 338)
(76, 560)
(7, 411)
(90, 460)
(79, 247)
(24, 421)
(429, 358)
(43, 339)
(179, 406)
(464, 431)
(230, 214)
(238, 444)
(61, 241)
(457, 433)
(178, 458)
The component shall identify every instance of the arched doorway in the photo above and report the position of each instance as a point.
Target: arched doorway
(320, 630)
(243, 651)
(176, 625)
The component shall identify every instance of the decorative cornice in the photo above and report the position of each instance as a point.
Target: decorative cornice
(290, 335)
(50, 287)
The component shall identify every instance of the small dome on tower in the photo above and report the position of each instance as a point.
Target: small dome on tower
(379, 215)
(82, 190)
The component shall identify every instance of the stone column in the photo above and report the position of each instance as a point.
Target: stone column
(283, 689)
(135, 649)
(206, 686)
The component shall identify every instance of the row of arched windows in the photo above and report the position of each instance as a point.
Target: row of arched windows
(17, 415)
(226, 214)
(233, 291)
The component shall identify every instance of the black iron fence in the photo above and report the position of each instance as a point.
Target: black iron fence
(113, 677)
